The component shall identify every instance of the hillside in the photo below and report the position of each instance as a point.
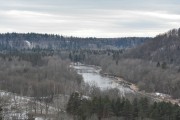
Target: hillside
(36, 75)
(163, 48)
(47, 41)
(153, 66)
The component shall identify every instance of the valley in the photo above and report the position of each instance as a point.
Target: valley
(73, 80)
(89, 60)
(92, 76)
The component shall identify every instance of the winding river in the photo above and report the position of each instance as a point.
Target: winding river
(92, 76)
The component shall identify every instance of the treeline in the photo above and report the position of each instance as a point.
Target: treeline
(56, 42)
(33, 56)
(83, 55)
(99, 108)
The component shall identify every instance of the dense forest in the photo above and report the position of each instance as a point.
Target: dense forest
(104, 108)
(38, 66)
(56, 42)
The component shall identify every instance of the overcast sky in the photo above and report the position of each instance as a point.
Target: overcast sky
(85, 18)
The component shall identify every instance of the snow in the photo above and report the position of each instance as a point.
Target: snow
(27, 43)
(14, 106)
(162, 95)
(86, 97)
(18, 107)
(38, 118)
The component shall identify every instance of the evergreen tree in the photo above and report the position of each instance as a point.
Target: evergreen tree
(127, 110)
(158, 64)
(177, 114)
(84, 109)
(143, 108)
(179, 32)
(107, 110)
(73, 104)
(117, 108)
(135, 108)
(103, 107)
(1, 113)
(154, 112)
(70, 57)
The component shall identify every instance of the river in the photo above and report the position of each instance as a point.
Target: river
(91, 75)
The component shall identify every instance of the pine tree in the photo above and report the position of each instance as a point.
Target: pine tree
(84, 109)
(119, 107)
(70, 56)
(179, 32)
(154, 112)
(107, 110)
(127, 110)
(143, 108)
(158, 64)
(73, 104)
(135, 108)
(99, 110)
(1, 113)
(177, 114)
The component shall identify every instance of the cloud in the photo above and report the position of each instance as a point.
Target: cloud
(99, 18)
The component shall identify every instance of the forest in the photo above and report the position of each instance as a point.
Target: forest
(59, 42)
(147, 75)
(105, 108)
(30, 67)
(39, 78)
(158, 72)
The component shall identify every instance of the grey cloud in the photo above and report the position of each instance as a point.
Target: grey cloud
(100, 18)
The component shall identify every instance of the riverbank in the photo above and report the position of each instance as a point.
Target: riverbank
(121, 82)
(156, 96)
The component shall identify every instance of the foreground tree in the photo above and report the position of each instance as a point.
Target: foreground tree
(73, 104)
(1, 113)
(104, 108)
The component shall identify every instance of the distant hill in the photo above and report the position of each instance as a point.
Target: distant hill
(49, 41)
(163, 48)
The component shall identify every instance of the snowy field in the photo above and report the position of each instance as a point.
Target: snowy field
(17, 107)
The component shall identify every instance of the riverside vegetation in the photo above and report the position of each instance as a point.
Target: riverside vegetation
(40, 71)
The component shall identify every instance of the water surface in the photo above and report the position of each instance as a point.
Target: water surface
(92, 76)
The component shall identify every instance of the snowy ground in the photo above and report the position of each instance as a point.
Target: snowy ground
(14, 107)
(18, 107)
